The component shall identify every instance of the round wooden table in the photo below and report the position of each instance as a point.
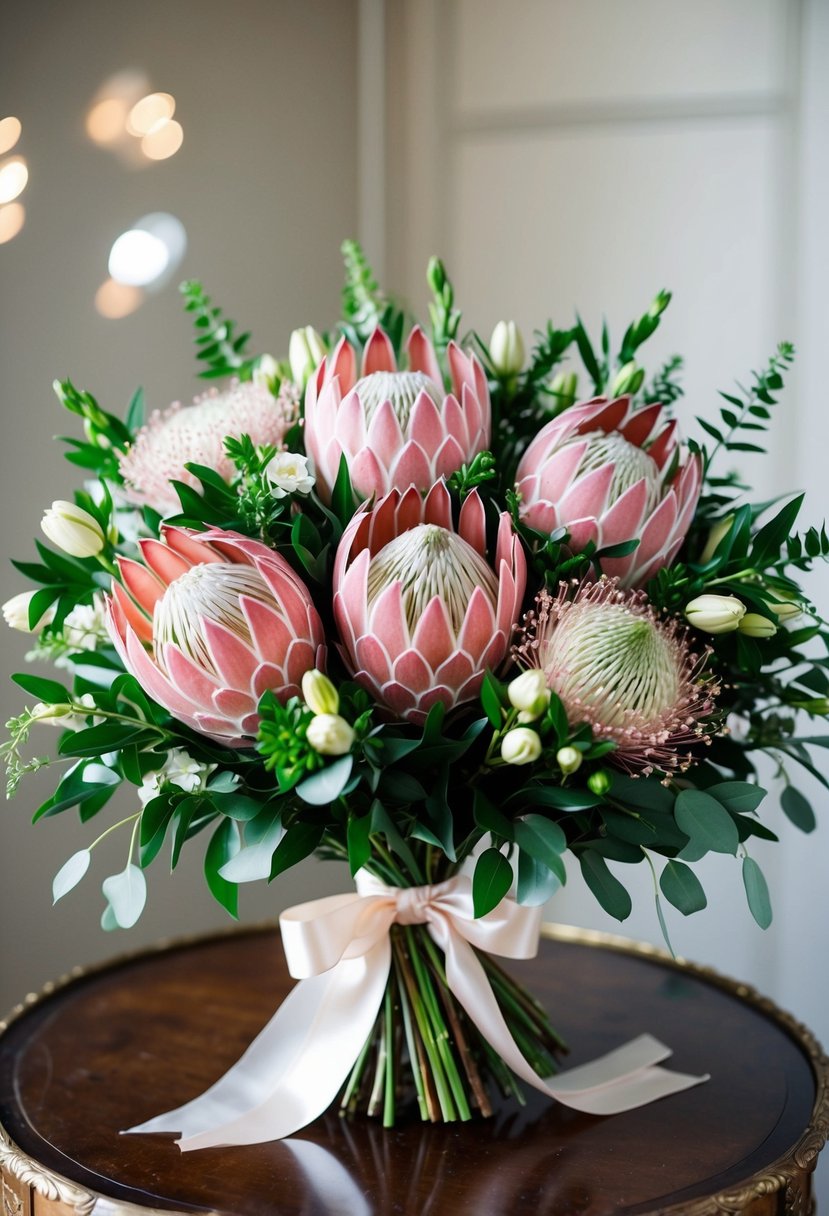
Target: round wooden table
(106, 1049)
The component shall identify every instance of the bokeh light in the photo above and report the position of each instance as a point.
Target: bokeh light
(12, 219)
(106, 121)
(163, 141)
(10, 129)
(150, 113)
(13, 177)
(115, 300)
(138, 258)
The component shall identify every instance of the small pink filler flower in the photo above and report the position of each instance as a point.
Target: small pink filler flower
(610, 473)
(208, 622)
(421, 611)
(397, 427)
(196, 433)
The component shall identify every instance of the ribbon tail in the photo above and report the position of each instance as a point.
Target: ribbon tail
(296, 1066)
(621, 1080)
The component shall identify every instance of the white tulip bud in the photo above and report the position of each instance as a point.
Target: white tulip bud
(753, 625)
(320, 695)
(330, 735)
(785, 610)
(717, 532)
(51, 715)
(628, 380)
(564, 387)
(529, 693)
(506, 348)
(306, 351)
(72, 529)
(715, 613)
(266, 371)
(568, 760)
(16, 612)
(520, 746)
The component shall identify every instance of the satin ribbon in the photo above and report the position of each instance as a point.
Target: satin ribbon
(339, 948)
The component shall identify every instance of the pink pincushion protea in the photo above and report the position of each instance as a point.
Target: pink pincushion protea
(421, 611)
(610, 473)
(396, 427)
(208, 622)
(196, 433)
(623, 669)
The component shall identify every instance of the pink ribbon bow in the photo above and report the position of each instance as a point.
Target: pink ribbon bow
(339, 948)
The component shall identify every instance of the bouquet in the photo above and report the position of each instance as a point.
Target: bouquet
(434, 608)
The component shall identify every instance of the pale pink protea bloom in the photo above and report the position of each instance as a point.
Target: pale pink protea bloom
(627, 672)
(421, 611)
(208, 622)
(196, 433)
(397, 427)
(610, 473)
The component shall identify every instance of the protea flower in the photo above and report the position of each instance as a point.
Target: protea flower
(208, 622)
(627, 672)
(195, 433)
(610, 473)
(421, 611)
(396, 427)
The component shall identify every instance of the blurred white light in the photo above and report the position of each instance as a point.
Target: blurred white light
(12, 219)
(138, 258)
(150, 112)
(10, 129)
(166, 228)
(13, 178)
(164, 140)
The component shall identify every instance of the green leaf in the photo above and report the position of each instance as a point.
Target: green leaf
(757, 892)
(631, 828)
(706, 823)
(771, 537)
(126, 894)
(155, 819)
(607, 889)
(253, 861)
(560, 797)
(70, 874)
(326, 786)
(224, 844)
(491, 881)
(536, 884)
(489, 818)
(737, 796)
(798, 809)
(682, 888)
(299, 842)
(358, 836)
(491, 700)
(48, 691)
(543, 840)
(135, 411)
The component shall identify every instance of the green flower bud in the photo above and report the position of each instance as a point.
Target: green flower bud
(568, 760)
(564, 387)
(529, 693)
(320, 695)
(628, 380)
(599, 782)
(330, 735)
(715, 613)
(520, 746)
(755, 626)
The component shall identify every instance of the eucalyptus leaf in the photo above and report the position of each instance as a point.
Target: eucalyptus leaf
(253, 862)
(536, 883)
(705, 822)
(682, 888)
(543, 840)
(757, 892)
(224, 844)
(798, 809)
(70, 874)
(491, 881)
(126, 894)
(738, 796)
(607, 889)
(326, 786)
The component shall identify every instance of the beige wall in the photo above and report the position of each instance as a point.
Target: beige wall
(265, 184)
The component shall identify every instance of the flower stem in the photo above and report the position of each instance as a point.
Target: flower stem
(388, 1106)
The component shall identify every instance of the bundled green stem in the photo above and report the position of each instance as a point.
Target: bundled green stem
(424, 1049)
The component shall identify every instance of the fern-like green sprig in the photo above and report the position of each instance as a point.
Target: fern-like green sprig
(217, 342)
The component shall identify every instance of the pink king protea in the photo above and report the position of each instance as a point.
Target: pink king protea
(610, 473)
(421, 611)
(396, 427)
(623, 669)
(208, 623)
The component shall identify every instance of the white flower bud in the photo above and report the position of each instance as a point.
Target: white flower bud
(785, 610)
(753, 625)
(564, 387)
(715, 613)
(520, 746)
(288, 474)
(266, 370)
(568, 760)
(306, 351)
(529, 693)
(506, 348)
(51, 715)
(330, 735)
(72, 529)
(320, 695)
(628, 380)
(16, 612)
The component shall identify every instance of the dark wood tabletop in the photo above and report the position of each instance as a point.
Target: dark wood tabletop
(117, 1045)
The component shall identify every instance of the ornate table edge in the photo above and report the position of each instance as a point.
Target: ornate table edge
(788, 1175)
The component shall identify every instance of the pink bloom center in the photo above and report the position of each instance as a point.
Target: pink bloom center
(631, 464)
(402, 389)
